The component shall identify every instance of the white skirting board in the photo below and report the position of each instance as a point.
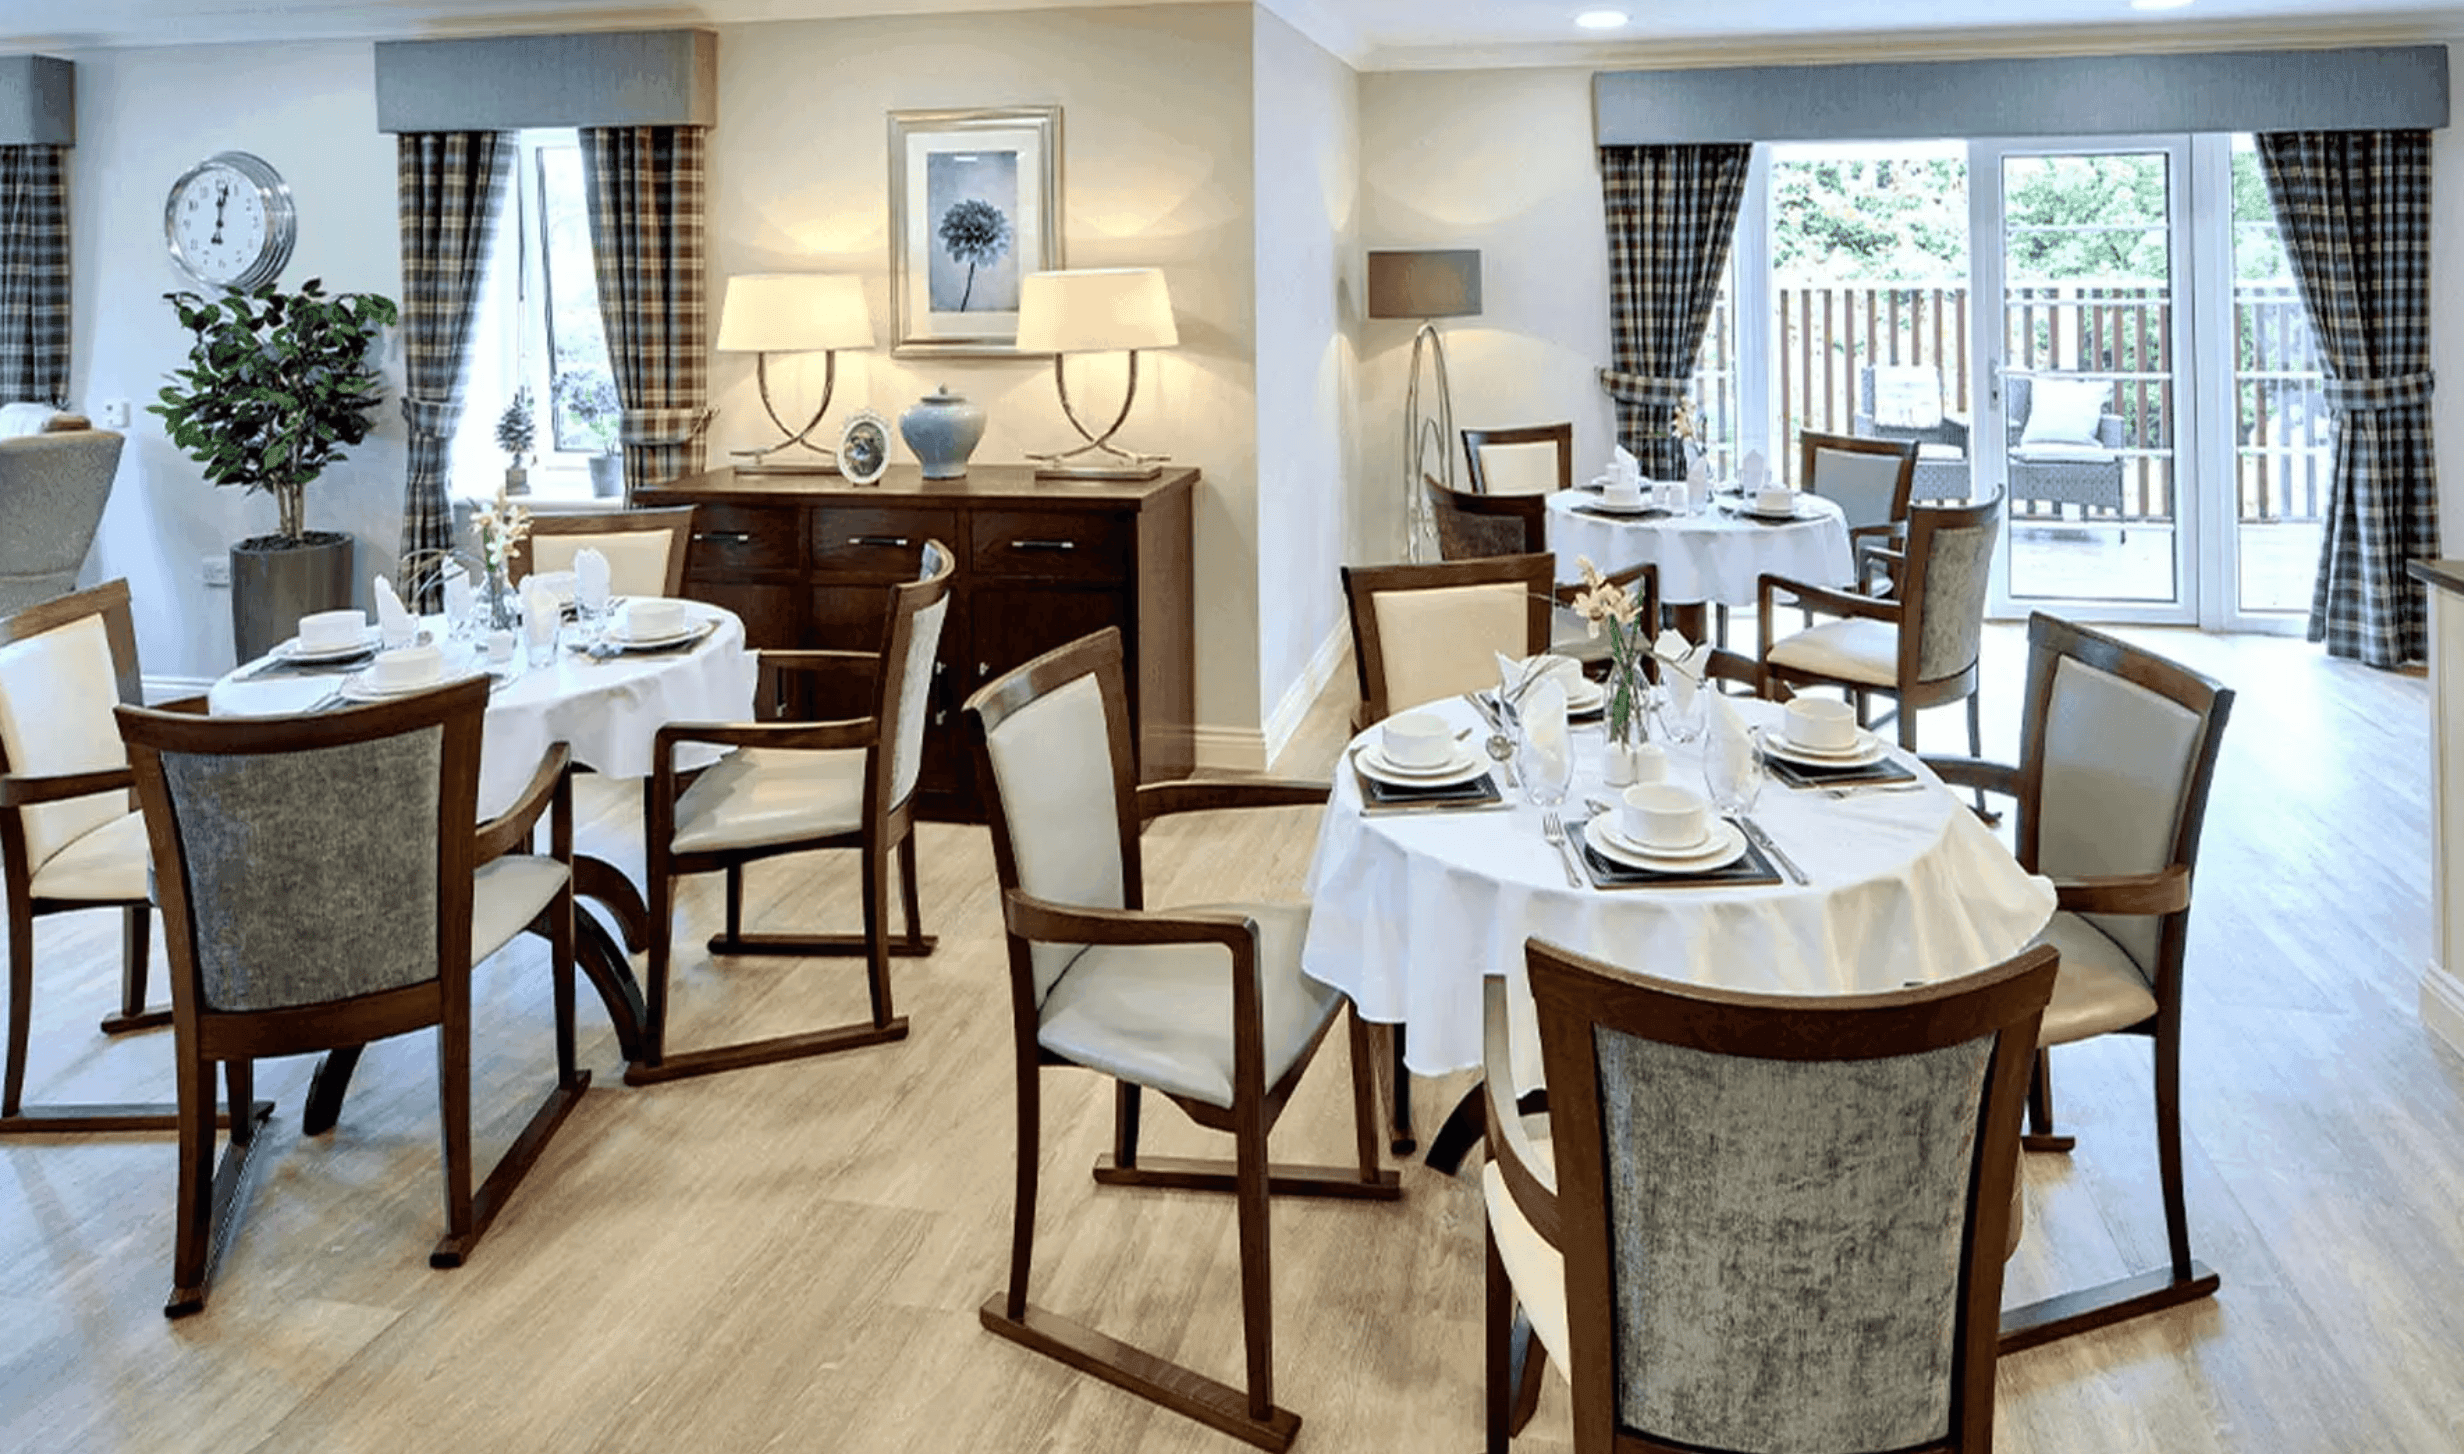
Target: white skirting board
(1251, 749)
(2442, 1006)
(166, 689)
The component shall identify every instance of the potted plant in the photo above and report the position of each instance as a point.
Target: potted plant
(277, 385)
(515, 435)
(587, 397)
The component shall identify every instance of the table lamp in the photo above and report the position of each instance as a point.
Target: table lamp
(1095, 310)
(767, 313)
(1427, 284)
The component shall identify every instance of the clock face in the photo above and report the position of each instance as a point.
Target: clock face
(228, 222)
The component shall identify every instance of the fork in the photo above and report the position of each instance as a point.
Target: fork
(1867, 789)
(1553, 828)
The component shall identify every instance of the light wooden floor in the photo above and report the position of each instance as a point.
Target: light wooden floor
(792, 1257)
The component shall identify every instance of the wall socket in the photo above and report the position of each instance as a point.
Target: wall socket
(113, 414)
(216, 569)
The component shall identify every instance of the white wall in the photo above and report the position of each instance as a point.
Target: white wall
(143, 117)
(2447, 327)
(1502, 161)
(1309, 266)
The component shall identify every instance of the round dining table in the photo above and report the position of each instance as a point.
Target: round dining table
(607, 708)
(1412, 910)
(1712, 557)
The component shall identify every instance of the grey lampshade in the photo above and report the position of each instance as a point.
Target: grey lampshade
(1430, 283)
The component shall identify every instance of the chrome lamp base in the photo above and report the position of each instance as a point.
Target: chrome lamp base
(1098, 458)
(777, 459)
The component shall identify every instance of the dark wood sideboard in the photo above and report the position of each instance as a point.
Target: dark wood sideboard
(803, 559)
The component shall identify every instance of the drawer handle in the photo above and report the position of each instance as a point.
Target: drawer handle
(895, 542)
(1043, 545)
(724, 537)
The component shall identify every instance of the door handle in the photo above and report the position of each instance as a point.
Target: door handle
(1043, 545)
(895, 542)
(724, 537)
(983, 669)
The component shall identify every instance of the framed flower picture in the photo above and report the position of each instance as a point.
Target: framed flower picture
(975, 206)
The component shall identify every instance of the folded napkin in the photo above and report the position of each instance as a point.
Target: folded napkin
(458, 593)
(395, 624)
(1625, 471)
(1697, 475)
(1728, 744)
(1516, 676)
(1544, 729)
(590, 579)
(1752, 470)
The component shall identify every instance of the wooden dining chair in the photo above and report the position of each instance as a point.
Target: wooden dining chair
(325, 883)
(1869, 479)
(1531, 459)
(645, 549)
(1421, 633)
(71, 837)
(797, 787)
(1758, 1221)
(1205, 1005)
(1482, 527)
(2118, 747)
(1919, 646)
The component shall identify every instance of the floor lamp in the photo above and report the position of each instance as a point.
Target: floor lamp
(767, 313)
(1428, 285)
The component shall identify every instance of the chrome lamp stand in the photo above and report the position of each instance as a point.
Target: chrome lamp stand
(1098, 458)
(817, 460)
(1419, 432)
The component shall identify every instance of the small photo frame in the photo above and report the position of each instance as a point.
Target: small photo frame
(975, 206)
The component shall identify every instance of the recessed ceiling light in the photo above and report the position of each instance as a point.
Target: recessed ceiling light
(1615, 19)
(2158, 4)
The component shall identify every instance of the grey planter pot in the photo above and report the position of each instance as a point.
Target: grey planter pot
(607, 475)
(274, 583)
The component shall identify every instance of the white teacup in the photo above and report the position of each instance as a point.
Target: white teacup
(1775, 501)
(1821, 724)
(650, 620)
(333, 630)
(1665, 817)
(406, 667)
(1623, 496)
(1418, 739)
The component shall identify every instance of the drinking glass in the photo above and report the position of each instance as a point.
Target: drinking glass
(1734, 779)
(1547, 776)
(1680, 707)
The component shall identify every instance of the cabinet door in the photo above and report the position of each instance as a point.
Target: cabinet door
(768, 611)
(1013, 625)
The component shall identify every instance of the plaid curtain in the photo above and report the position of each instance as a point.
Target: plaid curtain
(1672, 211)
(452, 187)
(34, 275)
(2354, 207)
(645, 186)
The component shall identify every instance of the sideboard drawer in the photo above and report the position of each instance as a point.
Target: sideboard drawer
(1055, 546)
(732, 541)
(878, 544)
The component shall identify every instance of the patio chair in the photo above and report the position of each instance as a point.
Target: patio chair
(2071, 462)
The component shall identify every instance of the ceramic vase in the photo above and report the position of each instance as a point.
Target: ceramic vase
(943, 429)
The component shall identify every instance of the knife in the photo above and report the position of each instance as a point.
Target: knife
(1762, 840)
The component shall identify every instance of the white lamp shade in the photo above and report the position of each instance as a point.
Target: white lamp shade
(794, 313)
(1095, 310)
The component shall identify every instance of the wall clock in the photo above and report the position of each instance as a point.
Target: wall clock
(229, 221)
(864, 448)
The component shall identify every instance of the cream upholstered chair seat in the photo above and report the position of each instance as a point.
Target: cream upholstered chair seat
(1161, 1014)
(1853, 648)
(763, 795)
(506, 894)
(2099, 990)
(105, 864)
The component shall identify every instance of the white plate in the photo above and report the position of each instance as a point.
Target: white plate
(358, 687)
(653, 643)
(1727, 845)
(1593, 698)
(291, 650)
(1607, 506)
(1467, 765)
(1869, 749)
(1797, 512)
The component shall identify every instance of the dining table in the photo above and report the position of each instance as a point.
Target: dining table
(1413, 908)
(607, 704)
(1712, 556)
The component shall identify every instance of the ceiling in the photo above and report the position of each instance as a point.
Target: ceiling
(1374, 34)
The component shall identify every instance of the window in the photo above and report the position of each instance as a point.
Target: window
(537, 330)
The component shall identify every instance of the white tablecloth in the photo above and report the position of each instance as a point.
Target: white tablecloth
(1411, 911)
(1711, 557)
(610, 711)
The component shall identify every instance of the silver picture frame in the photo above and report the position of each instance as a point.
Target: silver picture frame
(975, 206)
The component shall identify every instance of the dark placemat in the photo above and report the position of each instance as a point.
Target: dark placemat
(1752, 518)
(283, 667)
(1803, 775)
(1654, 513)
(1384, 797)
(1748, 871)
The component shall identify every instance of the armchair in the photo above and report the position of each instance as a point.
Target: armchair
(1530, 459)
(2085, 471)
(645, 549)
(53, 486)
(1483, 527)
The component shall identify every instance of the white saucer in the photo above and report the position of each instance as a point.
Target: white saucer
(359, 687)
(1793, 512)
(653, 643)
(1466, 765)
(1869, 749)
(291, 650)
(1724, 847)
(1608, 506)
(1593, 698)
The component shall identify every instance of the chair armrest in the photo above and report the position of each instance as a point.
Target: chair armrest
(1202, 795)
(511, 829)
(2109, 430)
(1955, 429)
(795, 736)
(1820, 598)
(1046, 922)
(1970, 772)
(1510, 1146)
(2166, 891)
(1894, 531)
(853, 671)
(1724, 665)
(20, 791)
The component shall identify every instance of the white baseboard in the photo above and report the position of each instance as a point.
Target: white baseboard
(2442, 1006)
(1229, 749)
(164, 689)
(1303, 693)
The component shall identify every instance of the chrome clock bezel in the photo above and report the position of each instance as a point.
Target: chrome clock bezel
(281, 220)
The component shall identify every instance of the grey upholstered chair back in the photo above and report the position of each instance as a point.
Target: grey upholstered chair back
(1786, 1239)
(313, 875)
(1864, 486)
(1462, 535)
(1949, 584)
(915, 681)
(52, 491)
(1052, 764)
(2119, 761)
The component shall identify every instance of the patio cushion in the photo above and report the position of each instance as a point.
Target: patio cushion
(2062, 453)
(1852, 650)
(2098, 989)
(764, 795)
(2065, 411)
(106, 865)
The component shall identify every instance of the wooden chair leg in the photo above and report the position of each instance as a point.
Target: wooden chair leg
(1125, 1103)
(735, 901)
(1257, 1281)
(1907, 725)
(1401, 1140)
(16, 1117)
(2040, 1134)
(907, 891)
(21, 1003)
(453, 1087)
(2169, 1151)
(136, 951)
(326, 1086)
(877, 930)
(1364, 1093)
(206, 1205)
(662, 949)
